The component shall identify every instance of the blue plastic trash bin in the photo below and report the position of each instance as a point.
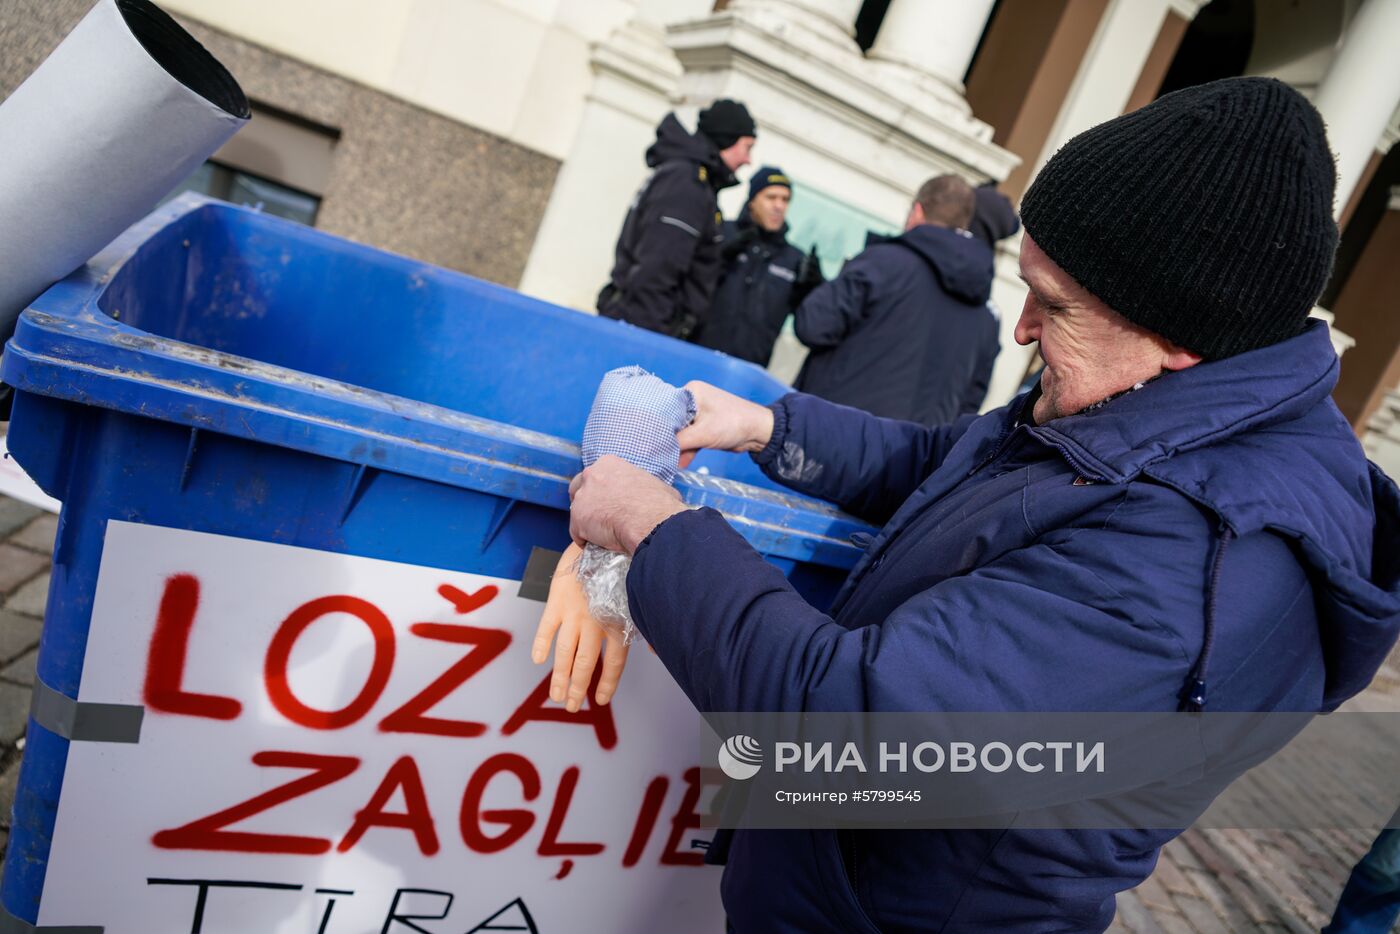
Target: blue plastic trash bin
(226, 384)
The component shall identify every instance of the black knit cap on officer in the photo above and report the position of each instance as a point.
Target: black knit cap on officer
(1205, 217)
(725, 121)
(766, 177)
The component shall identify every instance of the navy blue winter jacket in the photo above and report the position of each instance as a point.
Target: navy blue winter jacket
(1060, 567)
(667, 261)
(904, 331)
(755, 293)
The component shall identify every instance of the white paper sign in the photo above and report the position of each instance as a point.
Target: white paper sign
(337, 744)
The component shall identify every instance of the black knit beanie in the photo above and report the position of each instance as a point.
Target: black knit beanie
(725, 121)
(766, 177)
(1205, 217)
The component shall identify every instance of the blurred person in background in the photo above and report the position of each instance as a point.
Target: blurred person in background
(904, 331)
(764, 279)
(667, 261)
(1370, 903)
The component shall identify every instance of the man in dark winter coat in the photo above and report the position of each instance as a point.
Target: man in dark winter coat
(667, 262)
(904, 331)
(1176, 518)
(764, 277)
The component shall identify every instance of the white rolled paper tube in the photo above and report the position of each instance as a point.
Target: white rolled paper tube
(127, 106)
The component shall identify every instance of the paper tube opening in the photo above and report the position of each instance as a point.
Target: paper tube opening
(181, 55)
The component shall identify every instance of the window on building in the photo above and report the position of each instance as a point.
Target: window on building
(279, 162)
(238, 187)
(837, 229)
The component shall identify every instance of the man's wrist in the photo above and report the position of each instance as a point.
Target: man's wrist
(639, 530)
(762, 431)
(778, 416)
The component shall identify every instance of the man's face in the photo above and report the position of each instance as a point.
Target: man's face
(1090, 350)
(737, 156)
(769, 207)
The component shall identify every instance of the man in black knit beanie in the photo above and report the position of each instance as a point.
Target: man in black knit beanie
(667, 261)
(1177, 518)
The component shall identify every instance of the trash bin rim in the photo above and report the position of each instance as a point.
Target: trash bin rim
(66, 346)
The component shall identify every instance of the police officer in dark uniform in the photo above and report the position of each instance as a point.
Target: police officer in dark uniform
(765, 277)
(668, 254)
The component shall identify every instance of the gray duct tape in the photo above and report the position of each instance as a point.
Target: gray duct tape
(84, 722)
(539, 571)
(9, 924)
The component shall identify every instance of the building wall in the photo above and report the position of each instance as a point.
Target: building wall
(515, 68)
(401, 178)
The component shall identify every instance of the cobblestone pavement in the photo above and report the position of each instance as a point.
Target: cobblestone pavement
(1205, 882)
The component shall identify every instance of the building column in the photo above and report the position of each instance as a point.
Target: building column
(839, 13)
(1363, 309)
(1120, 50)
(1389, 138)
(1361, 90)
(934, 37)
(1159, 58)
(1029, 58)
(635, 82)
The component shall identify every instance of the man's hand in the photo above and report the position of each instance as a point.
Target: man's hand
(738, 243)
(616, 505)
(723, 422)
(578, 639)
(809, 276)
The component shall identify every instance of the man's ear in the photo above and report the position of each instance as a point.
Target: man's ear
(916, 216)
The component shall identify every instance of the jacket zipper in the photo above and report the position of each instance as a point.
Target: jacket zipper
(1080, 467)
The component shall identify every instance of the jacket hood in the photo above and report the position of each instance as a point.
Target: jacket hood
(674, 141)
(1256, 440)
(963, 264)
(994, 218)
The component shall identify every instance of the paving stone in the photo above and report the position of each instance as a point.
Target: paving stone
(18, 565)
(1133, 918)
(1303, 857)
(30, 598)
(38, 535)
(1259, 906)
(1223, 904)
(1317, 885)
(9, 784)
(1154, 897)
(14, 711)
(1170, 875)
(1200, 915)
(1172, 923)
(1211, 859)
(14, 514)
(1299, 906)
(21, 670)
(1181, 853)
(18, 634)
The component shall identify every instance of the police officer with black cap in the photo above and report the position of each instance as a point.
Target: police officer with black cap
(668, 254)
(765, 278)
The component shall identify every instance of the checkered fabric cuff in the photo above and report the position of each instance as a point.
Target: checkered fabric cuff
(635, 416)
